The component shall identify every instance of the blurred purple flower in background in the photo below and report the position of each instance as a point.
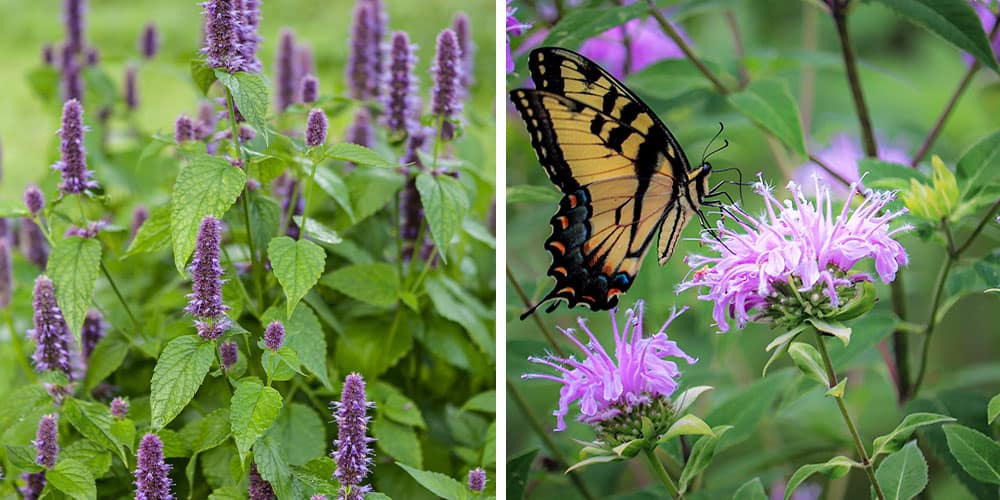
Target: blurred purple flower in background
(400, 95)
(131, 88)
(149, 42)
(309, 89)
(514, 28)
(34, 200)
(34, 484)
(460, 25)
(477, 479)
(607, 387)
(6, 273)
(34, 246)
(91, 333)
(285, 83)
(228, 353)
(183, 129)
(248, 14)
(842, 156)
(361, 60)
(632, 47)
(795, 247)
(988, 18)
(119, 408)
(73, 14)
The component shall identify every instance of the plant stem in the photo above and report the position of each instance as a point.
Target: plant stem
(536, 425)
(822, 164)
(541, 326)
(661, 473)
(851, 65)
(932, 320)
(121, 299)
(738, 50)
(952, 101)
(865, 461)
(807, 74)
(15, 341)
(669, 30)
(901, 342)
(978, 229)
(234, 129)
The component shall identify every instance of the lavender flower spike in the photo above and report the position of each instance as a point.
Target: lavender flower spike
(795, 262)
(73, 12)
(183, 129)
(379, 25)
(131, 88)
(399, 98)
(464, 37)
(228, 354)
(447, 71)
(6, 274)
(152, 473)
(248, 36)
(46, 441)
(309, 89)
(274, 335)
(361, 61)
(34, 200)
(351, 450)
(606, 387)
(34, 484)
(222, 27)
(205, 300)
(318, 497)
(285, 77)
(259, 489)
(91, 333)
(51, 334)
(33, 243)
(73, 164)
(119, 408)
(149, 42)
(316, 128)
(477, 479)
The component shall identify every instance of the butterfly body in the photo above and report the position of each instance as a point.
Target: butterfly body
(624, 178)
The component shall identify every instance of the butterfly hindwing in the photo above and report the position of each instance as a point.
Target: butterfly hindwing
(623, 177)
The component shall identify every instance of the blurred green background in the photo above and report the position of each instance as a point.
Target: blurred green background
(908, 75)
(27, 126)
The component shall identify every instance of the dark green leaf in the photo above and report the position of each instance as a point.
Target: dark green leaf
(484, 402)
(334, 186)
(518, 469)
(771, 105)
(96, 459)
(835, 467)
(372, 189)
(398, 441)
(952, 20)
(299, 431)
(94, 421)
(437, 483)
(358, 155)
(903, 475)
(267, 168)
(377, 284)
(154, 234)
(207, 432)
(993, 409)
(107, 356)
(445, 206)
(208, 185)
(895, 439)
(73, 267)
(179, 371)
(457, 309)
(273, 467)
(254, 408)
(203, 75)
(807, 358)
(701, 456)
(73, 479)
(250, 95)
(978, 454)
(297, 265)
(580, 24)
(304, 335)
(978, 170)
(751, 490)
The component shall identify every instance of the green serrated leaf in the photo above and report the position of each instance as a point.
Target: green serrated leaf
(73, 267)
(952, 20)
(208, 185)
(531, 194)
(273, 467)
(94, 421)
(392, 403)
(254, 408)
(250, 95)
(72, 478)
(107, 356)
(835, 467)
(23, 457)
(976, 453)
(317, 475)
(893, 440)
(203, 75)
(265, 219)
(280, 365)
(457, 308)
(903, 474)
(153, 235)
(809, 362)
(333, 185)
(398, 441)
(445, 205)
(207, 432)
(751, 490)
(701, 456)
(304, 334)
(179, 372)
(96, 459)
(769, 104)
(377, 284)
(437, 483)
(299, 431)
(358, 155)
(297, 265)
(485, 402)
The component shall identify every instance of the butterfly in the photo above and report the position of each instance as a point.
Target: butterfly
(623, 176)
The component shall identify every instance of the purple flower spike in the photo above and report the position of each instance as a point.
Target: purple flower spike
(305, 63)
(33, 243)
(361, 61)
(797, 244)
(149, 42)
(379, 26)
(73, 12)
(465, 46)
(91, 333)
(400, 96)
(46, 441)
(205, 299)
(152, 473)
(229, 353)
(183, 129)
(72, 83)
(259, 489)
(249, 39)
(222, 27)
(477, 479)
(51, 334)
(34, 200)
(139, 216)
(514, 28)
(207, 119)
(447, 71)
(285, 81)
(318, 497)
(6, 274)
(360, 132)
(34, 484)
(316, 128)
(274, 335)
(119, 408)
(73, 165)
(309, 89)
(131, 88)
(607, 387)
(351, 450)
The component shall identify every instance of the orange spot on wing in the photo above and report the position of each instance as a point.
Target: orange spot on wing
(559, 247)
(572, 201)
(560, 270)
(567, 291)
(563, 221)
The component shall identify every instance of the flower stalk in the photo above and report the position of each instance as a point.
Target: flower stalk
(839, 11)
(661, 472)
(688, 51)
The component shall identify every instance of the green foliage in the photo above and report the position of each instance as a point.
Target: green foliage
(701, 456)
(73, 267)
(445, 206)
(72, 478)
(892, 441)
(297, 265)
(769, 104)
(254, 408)
(751, 490)
(978, 454)
(437, 483)
(835, 467)
(207, 185)
(903, 474)
(377, 284)
(250, 96)
(582, 23)
(179, 372)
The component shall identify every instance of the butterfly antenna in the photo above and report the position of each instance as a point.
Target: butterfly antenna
(704, 153)
(714, 232)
